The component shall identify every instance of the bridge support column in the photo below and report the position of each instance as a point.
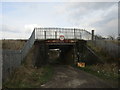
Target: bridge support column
(80, 47)
(41, 53)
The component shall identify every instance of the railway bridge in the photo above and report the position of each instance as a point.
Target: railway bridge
(65, 40)
(69, 42)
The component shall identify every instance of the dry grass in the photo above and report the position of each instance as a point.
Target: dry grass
(25, 77)
(12, 44)
(108, 70)
(28, 76)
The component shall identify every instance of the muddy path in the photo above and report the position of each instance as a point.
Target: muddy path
(69, 77)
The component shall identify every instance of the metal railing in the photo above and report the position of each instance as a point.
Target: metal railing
(54, 33)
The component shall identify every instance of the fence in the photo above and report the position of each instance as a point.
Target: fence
(111, 48)
(11, 60)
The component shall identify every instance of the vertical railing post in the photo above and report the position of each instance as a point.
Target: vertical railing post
(92, 35)
(74, 34)
(80, 35)
(45, 34)
(55, 34)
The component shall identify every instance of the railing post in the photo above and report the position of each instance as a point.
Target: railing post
(34, 34)
(80, 35)
(55, 34)
(74, 34)
(45, 34)
(92, 35)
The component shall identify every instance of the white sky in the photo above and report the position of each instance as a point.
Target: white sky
(19, 18)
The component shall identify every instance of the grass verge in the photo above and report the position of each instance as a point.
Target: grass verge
(99, 71)
(25, 77)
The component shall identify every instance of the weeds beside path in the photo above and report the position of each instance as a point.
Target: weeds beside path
(25, 77)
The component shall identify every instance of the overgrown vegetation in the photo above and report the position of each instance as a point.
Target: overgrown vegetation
(102, 71)
(28, 76)
(110, 77)
(108, 70)
(25, 77)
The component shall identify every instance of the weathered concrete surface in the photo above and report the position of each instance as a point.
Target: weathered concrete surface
(69, 77)
(40, 54)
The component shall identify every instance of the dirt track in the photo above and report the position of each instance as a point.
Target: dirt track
(69, 77)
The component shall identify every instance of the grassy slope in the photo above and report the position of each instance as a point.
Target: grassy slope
(108, 70)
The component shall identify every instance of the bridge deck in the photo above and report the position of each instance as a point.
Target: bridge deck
(59, 42)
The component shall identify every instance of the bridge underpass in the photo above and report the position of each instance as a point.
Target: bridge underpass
(69, 52)
(62, 51)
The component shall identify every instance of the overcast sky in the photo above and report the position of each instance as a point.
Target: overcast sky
(19, 18)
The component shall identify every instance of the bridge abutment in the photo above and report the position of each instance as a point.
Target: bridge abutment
(41, 53)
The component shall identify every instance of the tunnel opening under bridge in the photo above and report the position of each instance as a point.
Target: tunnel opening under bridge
(61, 53)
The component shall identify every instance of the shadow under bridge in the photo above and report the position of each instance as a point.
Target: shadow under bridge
(59, 52)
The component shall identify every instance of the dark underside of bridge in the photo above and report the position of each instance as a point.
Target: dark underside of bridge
(60, 52)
